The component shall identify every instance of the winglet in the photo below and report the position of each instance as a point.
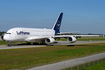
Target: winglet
(57, 24)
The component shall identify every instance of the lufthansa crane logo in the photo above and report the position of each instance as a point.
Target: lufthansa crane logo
(58, 25)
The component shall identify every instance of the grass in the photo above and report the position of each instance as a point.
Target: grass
(3, 43)
(100, 66)
(16, 58)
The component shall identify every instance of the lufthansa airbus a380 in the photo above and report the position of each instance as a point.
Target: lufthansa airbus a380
(38, 35)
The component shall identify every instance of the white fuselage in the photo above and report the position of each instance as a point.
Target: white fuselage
(21, 34)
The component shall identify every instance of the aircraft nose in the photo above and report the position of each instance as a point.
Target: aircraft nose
(4, 37)
(7, 37)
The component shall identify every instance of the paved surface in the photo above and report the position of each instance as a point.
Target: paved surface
(0, 38)
(69, 63)
(57, 43)
(19, 46)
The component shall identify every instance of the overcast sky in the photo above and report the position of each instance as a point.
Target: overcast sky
(85, 16)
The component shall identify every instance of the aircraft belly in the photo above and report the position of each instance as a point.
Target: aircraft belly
(37, 40)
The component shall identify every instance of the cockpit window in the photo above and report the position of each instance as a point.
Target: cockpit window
(8, 33)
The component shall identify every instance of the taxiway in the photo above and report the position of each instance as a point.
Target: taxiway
(56, 43)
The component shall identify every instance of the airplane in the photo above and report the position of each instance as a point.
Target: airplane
(34, 35)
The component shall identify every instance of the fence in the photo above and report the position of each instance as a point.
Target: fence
(85, 65)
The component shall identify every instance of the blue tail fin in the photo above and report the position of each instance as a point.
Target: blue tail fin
(57, 24)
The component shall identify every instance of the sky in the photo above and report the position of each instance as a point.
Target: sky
(84, 16)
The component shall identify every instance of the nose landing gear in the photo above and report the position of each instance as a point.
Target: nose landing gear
(9, 44)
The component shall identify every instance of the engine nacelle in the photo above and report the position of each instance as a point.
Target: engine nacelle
(72, 39)
(49, 40)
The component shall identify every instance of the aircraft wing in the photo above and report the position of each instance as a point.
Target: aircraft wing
(61, 36)
(86, 35)
(72, 38)
(67, 32)
(40, 38)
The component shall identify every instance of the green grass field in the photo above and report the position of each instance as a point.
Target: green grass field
(100, 66)
(16, 58)
(3, 43)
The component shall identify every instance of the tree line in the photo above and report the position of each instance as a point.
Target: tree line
(2, 32)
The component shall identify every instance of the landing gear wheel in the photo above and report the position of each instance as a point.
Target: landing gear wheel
(9, 44)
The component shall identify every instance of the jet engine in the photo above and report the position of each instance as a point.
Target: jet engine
(49, 40)
(71, 39)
